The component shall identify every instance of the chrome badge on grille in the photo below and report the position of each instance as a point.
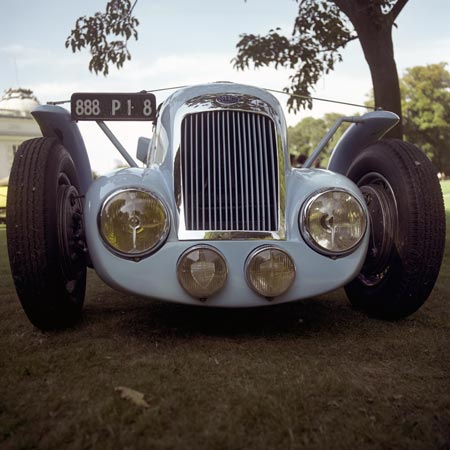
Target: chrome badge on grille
(228, 99)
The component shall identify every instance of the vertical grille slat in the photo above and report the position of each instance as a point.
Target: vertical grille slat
(196, 224)
(225, 174)
(214, 210)
(250, 165)
(230, 174)
(208, 180)
(236, 178)
(257, 179)
(266, 174)
(229, 171)
(246, 176)
(273, 163)
(202, 145)
(261, 177)
(192, 178)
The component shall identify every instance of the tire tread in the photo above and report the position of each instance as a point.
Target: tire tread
(31, 240)
(424, 239)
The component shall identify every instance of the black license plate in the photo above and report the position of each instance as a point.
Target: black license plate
(113, 106)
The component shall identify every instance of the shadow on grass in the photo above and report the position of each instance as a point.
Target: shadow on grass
(326, 316)
(306, 317)
(140, 317)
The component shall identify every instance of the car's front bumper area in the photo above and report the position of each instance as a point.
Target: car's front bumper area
(155, 276)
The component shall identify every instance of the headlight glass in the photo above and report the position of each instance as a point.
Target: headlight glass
(133, 222)
(202, 271)
(270, 271)
(333, 222)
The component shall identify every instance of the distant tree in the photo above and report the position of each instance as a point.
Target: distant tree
(321, 31)
(426, 105)
(304, 137)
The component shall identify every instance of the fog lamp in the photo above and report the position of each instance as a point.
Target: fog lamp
(270, 271)
(202, 271)
(133, 222)
(333, 222)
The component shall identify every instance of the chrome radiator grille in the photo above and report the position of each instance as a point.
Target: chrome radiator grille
(229, 170)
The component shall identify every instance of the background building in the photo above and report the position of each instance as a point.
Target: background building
(16, 125)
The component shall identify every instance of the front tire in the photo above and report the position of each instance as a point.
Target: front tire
(45, 234)
(407, 229)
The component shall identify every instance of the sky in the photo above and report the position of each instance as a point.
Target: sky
(190, 42)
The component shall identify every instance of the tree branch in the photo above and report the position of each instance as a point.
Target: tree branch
(397, 9)
(341, 44)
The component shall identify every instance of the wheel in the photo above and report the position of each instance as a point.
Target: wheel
(407, 229)
(45, 234)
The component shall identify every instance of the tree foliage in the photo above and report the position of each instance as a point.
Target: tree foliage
(319, 34)
(322, 29)
(97, 32)
(426, 105)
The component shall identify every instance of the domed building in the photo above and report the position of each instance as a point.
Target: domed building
(16, 125)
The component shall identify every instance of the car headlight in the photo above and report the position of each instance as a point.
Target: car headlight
(202, 271)
(333, 222)
(133, 222)
(270, 271)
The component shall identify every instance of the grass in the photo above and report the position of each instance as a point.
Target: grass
(315, 374)
(446, 192)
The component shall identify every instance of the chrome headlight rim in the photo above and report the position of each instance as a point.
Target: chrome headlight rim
(251, 257)
(138, 255)
(202, 247)
(307, 235)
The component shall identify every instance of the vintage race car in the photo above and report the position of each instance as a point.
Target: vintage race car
(217, 216)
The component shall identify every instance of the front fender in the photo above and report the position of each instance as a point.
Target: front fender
(371, 127)
(56, 121)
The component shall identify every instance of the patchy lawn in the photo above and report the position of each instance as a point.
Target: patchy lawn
(315, 374)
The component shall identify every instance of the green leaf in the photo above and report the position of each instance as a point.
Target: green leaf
(89, 32)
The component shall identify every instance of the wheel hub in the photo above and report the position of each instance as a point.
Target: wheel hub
(72, 247)
(383, 217)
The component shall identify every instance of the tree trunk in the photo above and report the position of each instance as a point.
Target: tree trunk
(379, 53)
(375, 35)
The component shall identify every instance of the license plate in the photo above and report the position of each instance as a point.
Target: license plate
(113, 106)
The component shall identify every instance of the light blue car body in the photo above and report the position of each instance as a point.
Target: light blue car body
(155, 276)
